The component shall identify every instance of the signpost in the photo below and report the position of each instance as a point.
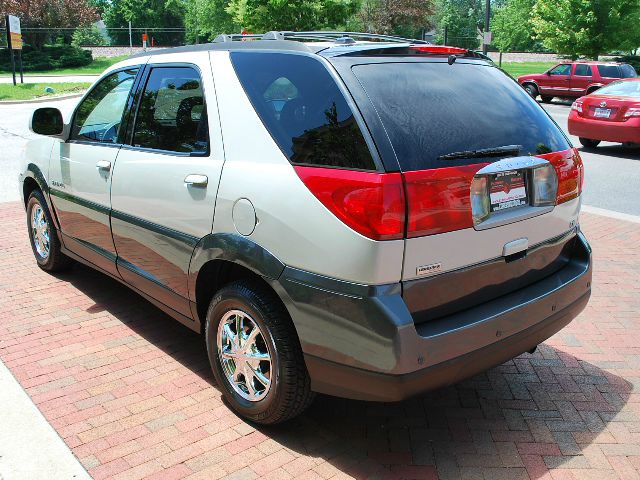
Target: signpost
(14, 42)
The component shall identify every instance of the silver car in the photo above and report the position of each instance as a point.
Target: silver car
(356, 215)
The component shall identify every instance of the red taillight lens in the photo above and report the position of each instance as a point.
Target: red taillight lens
(570, 172)
(439, 200)
(372, 204)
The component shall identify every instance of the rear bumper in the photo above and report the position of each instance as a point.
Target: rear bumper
(608, 131)
(364, 344)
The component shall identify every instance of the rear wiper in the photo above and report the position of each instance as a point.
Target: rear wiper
(483, 152)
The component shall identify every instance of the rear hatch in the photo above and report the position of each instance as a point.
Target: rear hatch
(491, 182)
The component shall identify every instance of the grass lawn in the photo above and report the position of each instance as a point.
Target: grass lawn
(515, 69)
(96, 67)
(29, 91)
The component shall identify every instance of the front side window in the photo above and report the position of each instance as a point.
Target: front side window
(609, 71)
(564, 69)
(99, 116)
(172, 113)
(583, 70)
(303, 109)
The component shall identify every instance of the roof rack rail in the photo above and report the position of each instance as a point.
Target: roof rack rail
(344, 38)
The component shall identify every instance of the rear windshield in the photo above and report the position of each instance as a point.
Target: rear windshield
(622, 89)
(628, 71)
(433, 110)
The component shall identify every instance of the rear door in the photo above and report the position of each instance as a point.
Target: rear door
(165, 182)
(439, 119)
(581, 78)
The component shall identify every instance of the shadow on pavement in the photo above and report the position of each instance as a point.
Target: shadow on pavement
(538, 411)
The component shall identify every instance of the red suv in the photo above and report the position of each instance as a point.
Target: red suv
(572, 80)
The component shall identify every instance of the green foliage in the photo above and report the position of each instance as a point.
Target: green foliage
(205, 19)
(512, 28)
(88, 36)
(48, 58)
(578, 28)
(148, 14)
(406, 18)
(28, 91)
(462, 18)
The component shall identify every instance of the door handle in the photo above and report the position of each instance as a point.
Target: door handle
(103, 165)
(196, 180)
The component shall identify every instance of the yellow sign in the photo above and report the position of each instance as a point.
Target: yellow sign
(16, 41)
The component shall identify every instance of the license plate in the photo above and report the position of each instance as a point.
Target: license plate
(507, 190)
(602, 113)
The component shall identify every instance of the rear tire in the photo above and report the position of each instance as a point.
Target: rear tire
(588, 143)
(546, 98)
(531, 89)
(43, 235)
(263, 375)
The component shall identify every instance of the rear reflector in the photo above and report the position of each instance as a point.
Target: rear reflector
(372, 204)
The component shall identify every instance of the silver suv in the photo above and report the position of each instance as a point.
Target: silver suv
(362, 217)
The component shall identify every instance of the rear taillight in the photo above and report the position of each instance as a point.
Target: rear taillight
(632, 112)
(372, 204)
(544, 186)
(570, 173)
(438, 200)
(577, 106)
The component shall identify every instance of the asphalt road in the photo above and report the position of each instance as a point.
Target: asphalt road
(612, 179)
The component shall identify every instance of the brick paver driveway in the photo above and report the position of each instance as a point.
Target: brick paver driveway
(129, 389)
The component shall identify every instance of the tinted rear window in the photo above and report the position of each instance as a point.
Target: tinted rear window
(583, 70)
(628, 71)
(434, 109)
(609, 71)
(303, 109)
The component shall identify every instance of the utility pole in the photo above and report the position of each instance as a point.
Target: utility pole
(486, 40)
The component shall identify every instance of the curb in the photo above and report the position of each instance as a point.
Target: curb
(610, 213)
(42, 100)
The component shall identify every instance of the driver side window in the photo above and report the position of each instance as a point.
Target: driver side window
(99, 116)
(564, 69)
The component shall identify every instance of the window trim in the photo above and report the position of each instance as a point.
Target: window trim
(125, 113)
(131, 124)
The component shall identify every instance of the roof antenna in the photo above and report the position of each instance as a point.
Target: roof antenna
(452, 59)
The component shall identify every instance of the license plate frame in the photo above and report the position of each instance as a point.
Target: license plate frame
(508, 190)
(602, 112)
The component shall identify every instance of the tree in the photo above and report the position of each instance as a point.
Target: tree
(151, 14)
(48, 14)
(462, 19)
(265, 15)
(579, 28)
(205, 19)
(88, 36)
(398, 17)
(512, 28)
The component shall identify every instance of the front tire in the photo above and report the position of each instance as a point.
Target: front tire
(43, 235)
(588, 143)
(255, 354)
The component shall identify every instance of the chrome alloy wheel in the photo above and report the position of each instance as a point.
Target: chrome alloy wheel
(244, 356)
(40, 231)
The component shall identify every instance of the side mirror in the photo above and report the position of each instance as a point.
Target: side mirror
(48, 121)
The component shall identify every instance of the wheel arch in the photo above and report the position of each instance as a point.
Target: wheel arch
(219, 259)
(32, 179)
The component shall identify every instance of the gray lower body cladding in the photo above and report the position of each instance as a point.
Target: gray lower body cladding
(364, 342)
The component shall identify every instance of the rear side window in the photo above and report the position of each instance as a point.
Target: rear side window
(172, 114)
(609, 71)
(303, 109)
(628, 71)
(583, 70)
(433, 110)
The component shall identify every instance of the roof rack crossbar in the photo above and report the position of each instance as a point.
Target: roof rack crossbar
(329, 36)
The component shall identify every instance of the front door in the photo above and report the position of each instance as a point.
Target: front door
(556, 83)
(165, 183)
(80, 174)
